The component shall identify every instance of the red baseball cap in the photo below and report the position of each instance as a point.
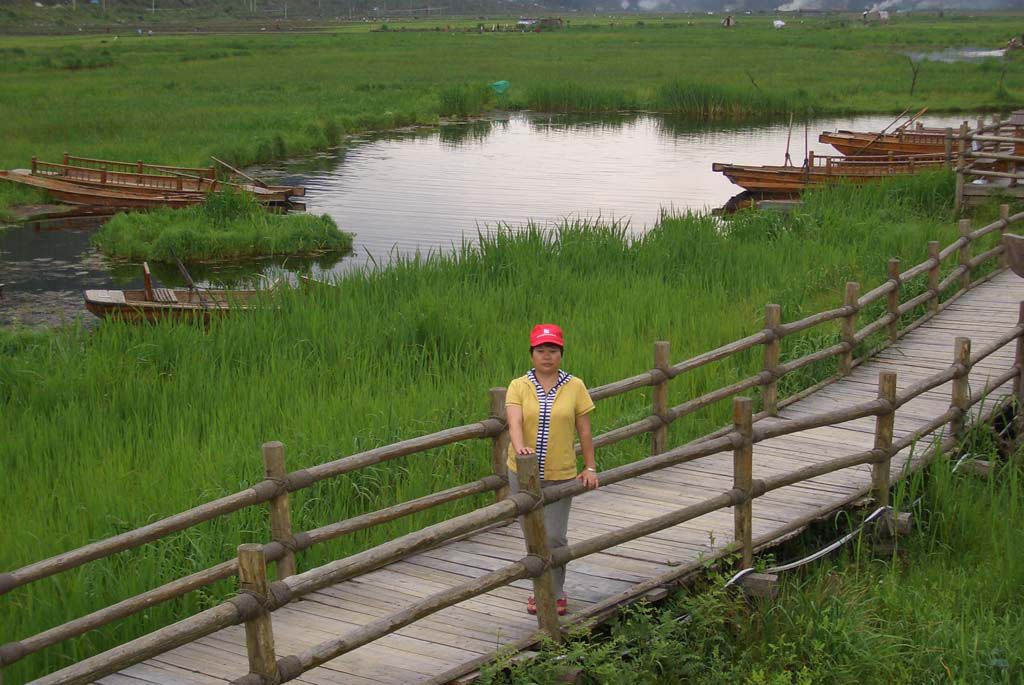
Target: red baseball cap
(546, 333)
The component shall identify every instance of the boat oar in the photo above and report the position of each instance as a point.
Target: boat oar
(882, 132)
(188, 279)
(911, 119)
(258, 182)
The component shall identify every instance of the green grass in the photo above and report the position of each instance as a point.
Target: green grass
(227, 226)
(112, 428)
(16, 195)
(952, 610)
(248, 98)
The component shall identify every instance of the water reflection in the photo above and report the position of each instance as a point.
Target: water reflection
(428, 189)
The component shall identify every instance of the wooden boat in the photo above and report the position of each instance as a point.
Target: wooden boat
(75, 194)
(208, 174)
(152, 184)
(156, 304)
(822, 170)
(903, 143)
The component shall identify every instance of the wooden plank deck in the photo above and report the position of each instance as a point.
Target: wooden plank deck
(475, 628)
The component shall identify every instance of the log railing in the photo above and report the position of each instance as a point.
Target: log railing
(744, 433)
(993, 154)
(136, 167)
(174, 181)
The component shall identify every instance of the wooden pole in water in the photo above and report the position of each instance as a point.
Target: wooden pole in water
(1004, 216)
(280, 513)
(742, 477)
(883, 439)
(499, 443)
(659, 398)
(537, 544)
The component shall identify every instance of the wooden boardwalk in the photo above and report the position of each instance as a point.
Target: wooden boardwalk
(436, 647)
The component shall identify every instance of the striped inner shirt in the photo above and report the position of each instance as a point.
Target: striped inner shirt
(547, 401)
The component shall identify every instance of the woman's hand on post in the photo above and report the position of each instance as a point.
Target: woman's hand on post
(525, 451)
(589, 479)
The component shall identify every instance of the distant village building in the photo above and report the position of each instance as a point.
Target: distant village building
(532, 24)
(728, 22)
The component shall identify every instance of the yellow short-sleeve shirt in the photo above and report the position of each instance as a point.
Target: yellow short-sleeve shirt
(555, 455)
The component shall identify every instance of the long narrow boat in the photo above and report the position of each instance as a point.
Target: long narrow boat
(158, 169)
(152, 184)
(155, 304)
(75, 194)
(820, 170)
(910, 142)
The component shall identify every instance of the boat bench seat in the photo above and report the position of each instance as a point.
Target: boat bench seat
(164, 295)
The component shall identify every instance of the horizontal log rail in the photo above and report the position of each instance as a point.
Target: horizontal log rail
(141, 167)
(493, 428)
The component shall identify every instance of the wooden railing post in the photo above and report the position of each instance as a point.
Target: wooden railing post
(893, 300)
(537, 544)
(743, 476)
(139, 165)
(883, 439)
(499, 443)
(66, 158)
(1004, 216)
(934, 275)
(1018, 381)
(259, 632)
(35, 163)
(961, 385)
(280, 512)
(772, 320)
(850, 298)
(659, 397)
(965, 253)
(961, 162)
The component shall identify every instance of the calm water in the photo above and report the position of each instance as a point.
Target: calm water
(429, 189)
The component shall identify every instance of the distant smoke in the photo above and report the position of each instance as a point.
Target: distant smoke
(797, 5)
(885, 5)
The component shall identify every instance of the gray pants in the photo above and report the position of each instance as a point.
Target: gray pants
(556, 523)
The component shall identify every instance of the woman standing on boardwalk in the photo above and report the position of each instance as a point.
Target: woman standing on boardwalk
(547, 408)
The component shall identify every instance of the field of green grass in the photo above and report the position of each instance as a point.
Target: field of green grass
(950, 611)
(252, 97)
(112, 428)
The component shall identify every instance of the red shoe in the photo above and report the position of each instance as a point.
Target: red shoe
(562, 605)
(531, 605)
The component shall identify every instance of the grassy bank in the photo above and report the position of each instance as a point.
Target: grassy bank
(227, 226)
(174, 415)
(14, 195)
(949, 611)
(254, 97)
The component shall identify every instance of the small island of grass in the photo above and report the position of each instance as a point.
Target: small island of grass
(226, 227)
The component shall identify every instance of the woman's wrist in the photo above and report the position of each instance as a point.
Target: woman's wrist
(592, 469)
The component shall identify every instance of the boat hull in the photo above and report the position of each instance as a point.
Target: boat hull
(778, 180)
(193, 306)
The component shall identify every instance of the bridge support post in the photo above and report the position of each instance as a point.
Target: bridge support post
(934, 275)
(742, 477)
(536, 536)
(499, 443)
(965, 254)
(961, 385)
(893, 300)
(280, 512)
(850, 298)
(1018, 382)
(884, 423)
(659, 397)
(772, 320)
(259, 633)
(1004, 215)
